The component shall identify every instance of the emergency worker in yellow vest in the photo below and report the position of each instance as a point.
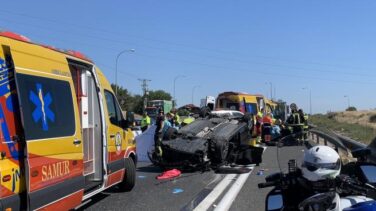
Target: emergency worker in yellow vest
(296, 122)
(176, 118)
(145, 122)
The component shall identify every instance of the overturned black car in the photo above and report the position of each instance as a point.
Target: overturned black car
(220, 138)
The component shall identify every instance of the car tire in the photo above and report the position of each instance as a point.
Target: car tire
(129, 179)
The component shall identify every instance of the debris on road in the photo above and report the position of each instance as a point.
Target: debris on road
(260, 172)
(169, 174)
(177, 190)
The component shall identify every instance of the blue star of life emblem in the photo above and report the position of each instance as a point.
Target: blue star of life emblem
(42, 110)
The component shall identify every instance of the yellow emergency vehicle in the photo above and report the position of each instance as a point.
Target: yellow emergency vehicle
(63, 136)
(244, 102)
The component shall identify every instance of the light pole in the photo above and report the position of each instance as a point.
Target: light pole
(271, 89)
(193, 92)
(116, 66)
(348, 100)
(310, 99)
(176, 78)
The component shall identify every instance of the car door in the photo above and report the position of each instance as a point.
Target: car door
(116, 139)
(54, 152)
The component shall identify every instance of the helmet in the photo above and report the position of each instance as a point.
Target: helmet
(293, 107)
(321, 162)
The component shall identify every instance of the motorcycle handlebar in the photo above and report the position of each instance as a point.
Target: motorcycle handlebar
(349, 184)
(267, 184)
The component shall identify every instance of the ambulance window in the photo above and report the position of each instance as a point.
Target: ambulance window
(251, 108)
(47, 107)
(114, 111)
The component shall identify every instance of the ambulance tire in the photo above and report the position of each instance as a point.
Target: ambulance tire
(129, 180)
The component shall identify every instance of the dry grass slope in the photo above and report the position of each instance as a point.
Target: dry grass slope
(358, 125)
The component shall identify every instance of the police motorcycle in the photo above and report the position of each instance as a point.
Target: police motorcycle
(321, 183)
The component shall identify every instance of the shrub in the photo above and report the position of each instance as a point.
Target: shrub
(351, 108)
(331, 115)
(372, 118)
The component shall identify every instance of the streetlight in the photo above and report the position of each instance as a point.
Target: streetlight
(348, 100)
(310, 100)
(117, 58)
(271, 89)
(193, 91)
(176, 77)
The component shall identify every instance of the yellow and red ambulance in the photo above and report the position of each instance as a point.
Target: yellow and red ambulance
(63, 137)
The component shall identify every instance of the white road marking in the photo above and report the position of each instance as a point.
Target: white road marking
(215, 193)
(230, 196)
(232, 192)
(209, 200)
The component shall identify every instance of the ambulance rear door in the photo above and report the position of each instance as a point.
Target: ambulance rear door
(50, 118)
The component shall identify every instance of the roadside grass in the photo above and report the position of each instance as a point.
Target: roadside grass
(361, 133)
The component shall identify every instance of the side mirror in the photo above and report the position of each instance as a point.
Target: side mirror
(274, 200)
(113, 120)
(130, 117)
(124, 124)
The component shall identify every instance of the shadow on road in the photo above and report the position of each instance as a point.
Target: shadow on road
(149, 169)
(93, 200)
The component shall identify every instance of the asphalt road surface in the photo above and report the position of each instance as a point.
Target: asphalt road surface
(193, 191)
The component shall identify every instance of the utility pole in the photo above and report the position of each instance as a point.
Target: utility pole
(144, 86)
(348, 100)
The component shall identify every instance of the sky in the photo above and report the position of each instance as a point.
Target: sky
(324, 47)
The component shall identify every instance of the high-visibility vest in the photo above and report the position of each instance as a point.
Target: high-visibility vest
(145, 121)
(296, 117)
(177, 118)
(305, 121)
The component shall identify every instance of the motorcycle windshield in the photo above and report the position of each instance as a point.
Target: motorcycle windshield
(289, 148)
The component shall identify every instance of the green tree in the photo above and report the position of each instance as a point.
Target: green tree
(135, 103)
(153, 95)
(124, 97)
(159, 95)
(138, 104)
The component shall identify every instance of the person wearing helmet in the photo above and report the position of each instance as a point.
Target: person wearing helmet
(321, 163)
(320, 166)
(295, 123)
(293, 107)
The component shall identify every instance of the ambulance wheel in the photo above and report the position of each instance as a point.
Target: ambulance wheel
(130, 175)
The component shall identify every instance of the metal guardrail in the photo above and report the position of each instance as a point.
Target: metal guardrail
(319, 137)
(350, 143)
(343, 145)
